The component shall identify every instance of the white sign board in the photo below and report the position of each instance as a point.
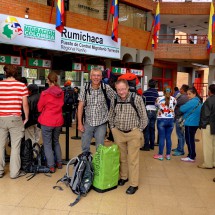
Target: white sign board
(25, 32)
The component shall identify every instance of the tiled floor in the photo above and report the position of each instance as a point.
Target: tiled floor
(166, 187)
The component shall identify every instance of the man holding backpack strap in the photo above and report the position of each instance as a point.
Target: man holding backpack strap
(127, 126)
(93, 104)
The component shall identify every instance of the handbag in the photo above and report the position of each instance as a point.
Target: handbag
(181, 120)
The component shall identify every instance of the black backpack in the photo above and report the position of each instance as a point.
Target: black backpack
(33, 158)
(82, 178)
(69, 97)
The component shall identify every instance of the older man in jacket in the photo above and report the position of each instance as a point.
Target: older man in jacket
(207, 124)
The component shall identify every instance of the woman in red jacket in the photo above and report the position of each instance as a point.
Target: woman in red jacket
(51, 120)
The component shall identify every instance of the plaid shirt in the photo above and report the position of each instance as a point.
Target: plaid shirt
(124, 116)
(96, 109)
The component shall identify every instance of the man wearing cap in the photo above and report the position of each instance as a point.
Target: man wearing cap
(31, 130)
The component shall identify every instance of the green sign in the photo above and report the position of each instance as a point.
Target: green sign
(118, 70)
(91, 66)
(5, 59)
(34, 62)
(77, 66)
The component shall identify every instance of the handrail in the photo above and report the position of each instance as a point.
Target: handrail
(183, 39)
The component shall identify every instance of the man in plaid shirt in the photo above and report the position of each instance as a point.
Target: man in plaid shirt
(127, 123)
(92, 101)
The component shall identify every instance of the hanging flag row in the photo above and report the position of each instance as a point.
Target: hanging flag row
(211, 28)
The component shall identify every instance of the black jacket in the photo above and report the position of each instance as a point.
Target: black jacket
(208, 114)
(33, 111)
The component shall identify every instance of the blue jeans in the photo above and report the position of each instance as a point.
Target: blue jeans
(181, 137)
(190, 132)
(149, 133)
(98, 132)
(51, 142)
(165, 128)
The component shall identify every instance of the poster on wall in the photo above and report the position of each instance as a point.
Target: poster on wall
(26, 32)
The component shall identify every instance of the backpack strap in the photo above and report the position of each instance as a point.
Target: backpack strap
(132, 99)
(133, 104)
(104, 87)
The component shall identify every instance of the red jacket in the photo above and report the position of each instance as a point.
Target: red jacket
(50, 105)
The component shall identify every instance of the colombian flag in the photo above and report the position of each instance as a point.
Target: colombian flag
(60, 19)
(211, 27)
(114, 10)
(156, 24)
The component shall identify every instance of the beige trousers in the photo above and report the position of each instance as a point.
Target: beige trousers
(15, 127)
(129, 147)
(208, 141)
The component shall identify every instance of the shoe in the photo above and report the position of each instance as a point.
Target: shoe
(187, 159)
(214, 180)
(177, 153)
(52, 169)
(173, 150)
(131, 190)
(59, 165)
(1, 176)
(21, 173)
(204, 167)
(156, 144)
(121, 182)
(159, 157)
(145, 148)
(151, 147)
(168, 157)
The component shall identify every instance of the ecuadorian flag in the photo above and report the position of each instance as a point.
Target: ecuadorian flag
(60, 16)
(114, 10)
(156, 24)
(211, 28)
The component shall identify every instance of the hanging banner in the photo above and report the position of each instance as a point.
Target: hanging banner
(38, 63)
(91, 66)
(6, 59)
(138, 72)
(26, 32)
(119, 70)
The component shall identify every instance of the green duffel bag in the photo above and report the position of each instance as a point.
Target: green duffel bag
(106, 168)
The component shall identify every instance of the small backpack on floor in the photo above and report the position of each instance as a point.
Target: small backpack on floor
(82, 178)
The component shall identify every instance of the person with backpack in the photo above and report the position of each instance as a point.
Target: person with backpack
(31, 129)
(69, 100)
(51, 119)
(13, 95)
(93, 105)
(149, 97)
(128, 119)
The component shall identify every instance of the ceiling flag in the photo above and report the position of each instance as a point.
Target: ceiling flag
(60, 16)
(114, 10)
(156, 24)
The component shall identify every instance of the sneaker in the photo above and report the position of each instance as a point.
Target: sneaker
(59, 165)
(177, 153)
(173, 150)
(168, 157)
(159, 157)
(52, 169)
(187, 159)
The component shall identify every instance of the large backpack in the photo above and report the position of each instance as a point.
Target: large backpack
(69, 97)
(133, 82)
(82, 177)
(33, 158)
